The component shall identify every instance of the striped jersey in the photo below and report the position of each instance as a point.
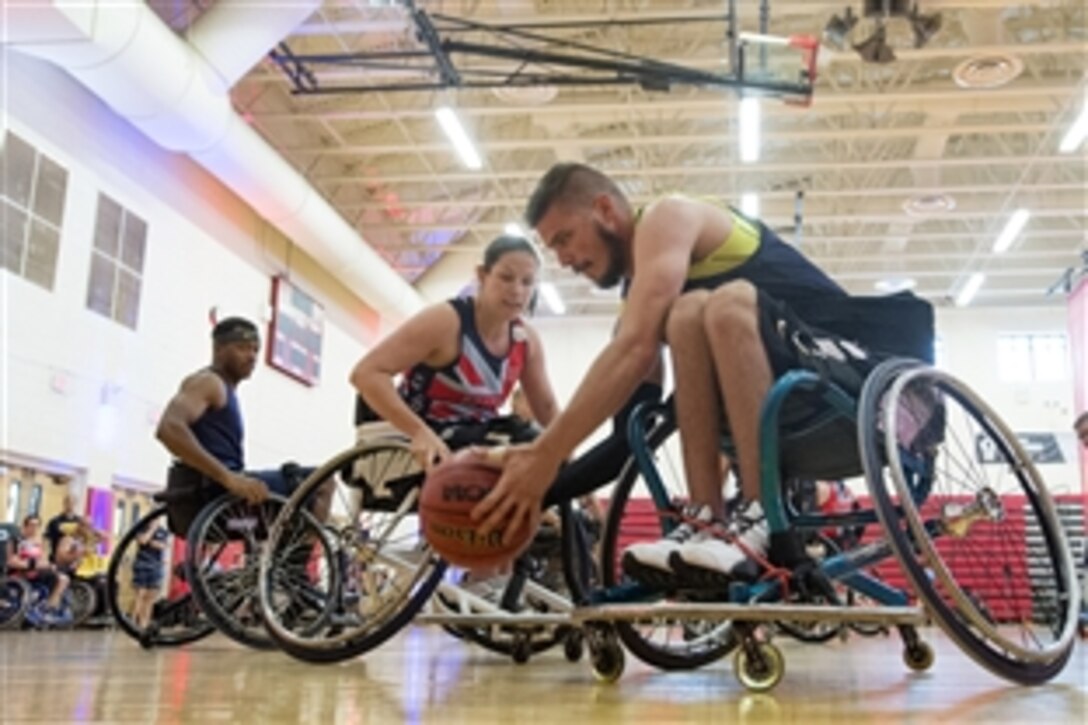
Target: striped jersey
(474, 386)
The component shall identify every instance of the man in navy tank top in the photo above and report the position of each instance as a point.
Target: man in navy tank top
(202, 427)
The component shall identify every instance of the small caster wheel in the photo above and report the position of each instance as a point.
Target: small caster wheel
(608, 663)
(522, 650)
(759, 671)
(919, 656)
(574, 646)
(148, 637)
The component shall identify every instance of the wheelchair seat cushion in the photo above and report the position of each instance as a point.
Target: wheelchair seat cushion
(842, 339)
(188, 491)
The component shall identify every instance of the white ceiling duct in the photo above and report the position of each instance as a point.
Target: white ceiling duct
(234, 35)
(131, 60)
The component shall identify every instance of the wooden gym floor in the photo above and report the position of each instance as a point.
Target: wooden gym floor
(426, 676)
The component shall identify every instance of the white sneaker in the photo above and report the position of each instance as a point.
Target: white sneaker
(721, 556)
(490, 589)
(655, 554)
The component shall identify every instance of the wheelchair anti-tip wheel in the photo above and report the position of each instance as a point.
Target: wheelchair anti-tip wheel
(919, 656)
(759, 666)
(605, 653)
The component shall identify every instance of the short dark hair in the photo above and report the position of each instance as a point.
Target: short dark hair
(31, 517)
(568, 182)
(235, 329)
(503, 245)
(1081, 420)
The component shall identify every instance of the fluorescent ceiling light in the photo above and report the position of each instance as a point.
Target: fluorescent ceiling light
(457, 136)
(749, 205)
(1013, 226)
(1074, 137)
(891, 285)
(749, 129)
(552, 298)
(513, 229)
(970, 289)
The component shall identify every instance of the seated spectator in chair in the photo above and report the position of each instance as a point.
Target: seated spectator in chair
(460, 359)
(68, 534)
(202, 427)
(28, 559)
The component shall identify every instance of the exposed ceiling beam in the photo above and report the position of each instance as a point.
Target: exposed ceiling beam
(899, 192)
(794, 166)
(711, 103)
(774, 220)
(723, 138)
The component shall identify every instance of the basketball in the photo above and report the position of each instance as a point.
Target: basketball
(450, 492)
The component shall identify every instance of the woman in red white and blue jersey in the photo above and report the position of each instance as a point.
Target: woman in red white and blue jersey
(462, 358)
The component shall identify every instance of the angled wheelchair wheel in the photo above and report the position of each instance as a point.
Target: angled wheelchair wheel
(222, 564)
(14, 601)
(368, 573)
(176, 618)
(82, 601)
(970, 521)
(632, 517)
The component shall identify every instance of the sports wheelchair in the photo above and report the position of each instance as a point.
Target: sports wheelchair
(954, 525)
(22, 597)
(334, 591)
(15, 594)
(209, 568)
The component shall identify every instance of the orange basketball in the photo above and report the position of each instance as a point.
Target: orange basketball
(450, 492)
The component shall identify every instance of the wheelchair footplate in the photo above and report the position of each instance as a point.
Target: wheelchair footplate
(758, 664)
(749, 613)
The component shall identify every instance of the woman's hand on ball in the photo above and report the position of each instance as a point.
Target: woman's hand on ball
(428, 448)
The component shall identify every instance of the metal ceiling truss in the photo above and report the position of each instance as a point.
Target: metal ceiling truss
(538, 59)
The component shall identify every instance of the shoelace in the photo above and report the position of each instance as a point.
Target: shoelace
(688, 526)
(742, 521)
(681, 533)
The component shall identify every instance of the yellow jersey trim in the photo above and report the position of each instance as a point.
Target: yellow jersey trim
(738, 248)
(735, 250)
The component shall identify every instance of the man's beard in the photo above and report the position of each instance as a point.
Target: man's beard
(616, 267)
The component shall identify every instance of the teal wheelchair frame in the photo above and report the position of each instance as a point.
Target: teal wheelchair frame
(610, 614)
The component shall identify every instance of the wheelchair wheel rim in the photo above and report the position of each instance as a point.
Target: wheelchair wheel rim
(933, 558)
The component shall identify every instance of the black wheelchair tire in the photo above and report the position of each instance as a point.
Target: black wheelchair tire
(162, 639)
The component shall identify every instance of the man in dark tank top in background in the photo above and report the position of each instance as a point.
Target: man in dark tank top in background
(202, 427)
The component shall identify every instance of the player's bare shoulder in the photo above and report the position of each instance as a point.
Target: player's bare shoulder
(205, 386)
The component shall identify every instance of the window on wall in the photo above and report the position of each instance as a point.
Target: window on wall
(1027, 358)
(117, 263)
(33, 188)
(118, 520)
(15, 489)
(34, 505)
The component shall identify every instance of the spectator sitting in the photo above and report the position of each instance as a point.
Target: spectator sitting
(67, 534)
(28, 558)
